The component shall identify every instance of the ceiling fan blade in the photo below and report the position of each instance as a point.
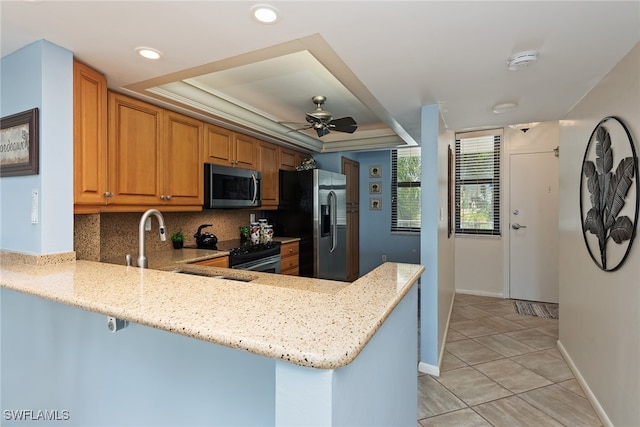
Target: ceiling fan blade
(344, 124)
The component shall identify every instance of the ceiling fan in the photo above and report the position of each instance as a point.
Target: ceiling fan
(323, 122)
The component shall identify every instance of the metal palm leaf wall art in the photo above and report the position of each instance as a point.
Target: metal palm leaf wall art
(614, 195)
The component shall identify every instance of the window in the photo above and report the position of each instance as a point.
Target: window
(405, 189)
(477, 183)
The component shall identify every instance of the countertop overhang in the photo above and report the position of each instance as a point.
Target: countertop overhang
(309, 322)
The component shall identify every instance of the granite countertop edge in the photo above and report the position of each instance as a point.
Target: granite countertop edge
(344, 316)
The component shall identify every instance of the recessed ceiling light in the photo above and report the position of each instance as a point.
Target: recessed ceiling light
(148, 52)
(522, 60)
(504, 108)
(265, 14)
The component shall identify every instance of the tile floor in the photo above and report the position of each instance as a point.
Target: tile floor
(501, 369)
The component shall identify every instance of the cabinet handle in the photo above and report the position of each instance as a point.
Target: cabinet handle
(162, 197)
(169, 197)
(108, 194)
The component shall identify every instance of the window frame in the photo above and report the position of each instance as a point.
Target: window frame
(495, 181)
(395, 228)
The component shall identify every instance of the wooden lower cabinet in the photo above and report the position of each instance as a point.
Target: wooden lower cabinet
(221, 261)
(289, 262)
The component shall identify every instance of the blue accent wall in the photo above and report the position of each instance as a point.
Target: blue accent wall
(376, 238)
(429, 237)
(40, 75)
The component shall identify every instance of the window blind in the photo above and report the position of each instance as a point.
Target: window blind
(405, 189)
(477, 182)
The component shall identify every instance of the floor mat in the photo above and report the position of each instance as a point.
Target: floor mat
(538, 309)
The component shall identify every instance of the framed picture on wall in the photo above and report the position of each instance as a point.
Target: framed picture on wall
(375, 171)
(19, 144)
(375, 204)
(375, 187)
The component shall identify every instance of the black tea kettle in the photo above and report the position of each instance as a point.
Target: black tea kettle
(205, 240)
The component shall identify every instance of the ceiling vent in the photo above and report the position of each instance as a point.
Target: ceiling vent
(522, 60)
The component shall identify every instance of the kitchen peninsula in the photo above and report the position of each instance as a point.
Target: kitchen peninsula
(277, 350)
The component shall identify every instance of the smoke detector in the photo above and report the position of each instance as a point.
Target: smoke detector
(522, 60)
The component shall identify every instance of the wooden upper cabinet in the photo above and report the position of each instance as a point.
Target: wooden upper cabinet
(134, 150)
(89, 138)
(182, 178)
(228, 148)
(268, 165)
(290, 159)
(245, 149)
(218, 145)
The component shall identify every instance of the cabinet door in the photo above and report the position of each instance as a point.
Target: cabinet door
(289, 258)
(291, 159)
(288, 159)
(268, 165)
(182, 170)
(89, 137)
(245, 152)
(134, 147)
(219, 145)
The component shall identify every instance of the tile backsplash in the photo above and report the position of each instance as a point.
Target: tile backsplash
(101, 236)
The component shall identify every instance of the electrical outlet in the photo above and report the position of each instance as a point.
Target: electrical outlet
(384, 258)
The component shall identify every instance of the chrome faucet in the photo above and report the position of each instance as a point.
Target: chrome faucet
(142, 257)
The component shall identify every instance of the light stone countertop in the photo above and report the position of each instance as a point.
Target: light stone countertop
(309, 322)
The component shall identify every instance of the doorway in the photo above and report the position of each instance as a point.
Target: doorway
(533, 226)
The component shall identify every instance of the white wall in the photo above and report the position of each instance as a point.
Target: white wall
(600, 315)
(40, 76)
(482, 262)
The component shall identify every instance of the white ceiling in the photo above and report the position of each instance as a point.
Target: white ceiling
(377, 61)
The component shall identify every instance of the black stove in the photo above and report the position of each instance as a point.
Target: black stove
(250, 252)
(243, 252)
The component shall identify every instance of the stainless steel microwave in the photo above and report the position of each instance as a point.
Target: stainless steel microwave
(226, 187)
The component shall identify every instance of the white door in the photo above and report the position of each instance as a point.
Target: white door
(533, 227)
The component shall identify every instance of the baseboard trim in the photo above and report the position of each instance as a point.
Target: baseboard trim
(480, 293)
(426, 368)
(606, 422)
(431, 369)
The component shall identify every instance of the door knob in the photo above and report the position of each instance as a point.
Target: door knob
(517, 226)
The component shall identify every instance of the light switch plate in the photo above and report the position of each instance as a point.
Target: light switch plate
(34, 206)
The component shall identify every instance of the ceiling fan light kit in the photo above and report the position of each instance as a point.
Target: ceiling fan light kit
(522, 60)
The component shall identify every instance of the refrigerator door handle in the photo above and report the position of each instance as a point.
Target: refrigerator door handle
(333, 203)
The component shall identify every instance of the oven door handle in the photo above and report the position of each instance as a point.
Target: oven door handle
(254, 267)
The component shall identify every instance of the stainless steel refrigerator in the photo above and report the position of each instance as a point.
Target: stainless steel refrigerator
(313, 207)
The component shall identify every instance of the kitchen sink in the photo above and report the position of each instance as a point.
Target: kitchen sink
(213, 275)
